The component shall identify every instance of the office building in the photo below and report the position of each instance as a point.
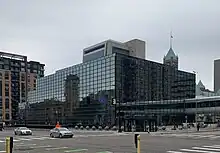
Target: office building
(88, 89)
(14, 69)
(217, 75)
(135, 48)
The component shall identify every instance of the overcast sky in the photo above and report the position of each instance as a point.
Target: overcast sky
(54, 32)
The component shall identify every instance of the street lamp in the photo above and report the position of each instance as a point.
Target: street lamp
(196, 73)
(56, 112)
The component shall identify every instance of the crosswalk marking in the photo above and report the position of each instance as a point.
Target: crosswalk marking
(57, 148)
(214, 137)
(24, 139)
(202, 149)
(176, 152)
(210, 149)
(15, 140)
(47, 146)
(41, 138)
(32, 138)
(188, 135)
(215, 146)
(23, 145)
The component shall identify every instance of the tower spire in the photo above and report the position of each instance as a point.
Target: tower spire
(171, 39)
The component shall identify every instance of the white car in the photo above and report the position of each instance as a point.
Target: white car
(60, 133)
(22, 131)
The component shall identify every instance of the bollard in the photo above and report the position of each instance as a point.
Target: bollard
(138, 144)
(135, 139)
(7, 145)
(11, 144)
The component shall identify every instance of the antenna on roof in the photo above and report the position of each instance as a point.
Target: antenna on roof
(171, 39)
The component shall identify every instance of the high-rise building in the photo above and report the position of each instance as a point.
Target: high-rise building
(217, 75)
(135, 48)
(171, 58)
(14, 69)
(89, 88)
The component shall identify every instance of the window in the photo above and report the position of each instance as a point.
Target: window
(7, 103)
(7, 116)
(6, 75)
(6, 93)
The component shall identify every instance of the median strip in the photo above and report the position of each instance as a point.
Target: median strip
(76, 150)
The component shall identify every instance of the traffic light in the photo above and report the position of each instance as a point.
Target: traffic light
(113, 101)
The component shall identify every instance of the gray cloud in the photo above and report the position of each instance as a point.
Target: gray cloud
(55, 31)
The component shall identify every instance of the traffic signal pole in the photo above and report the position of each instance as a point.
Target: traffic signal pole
(119, 117)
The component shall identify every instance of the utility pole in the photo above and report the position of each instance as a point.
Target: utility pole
(196, 73)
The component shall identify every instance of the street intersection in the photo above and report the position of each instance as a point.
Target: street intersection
(113, 142)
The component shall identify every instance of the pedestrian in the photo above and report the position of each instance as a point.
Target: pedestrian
(198, 126)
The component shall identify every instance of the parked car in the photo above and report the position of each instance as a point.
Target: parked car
(22, 131)
(61, 133)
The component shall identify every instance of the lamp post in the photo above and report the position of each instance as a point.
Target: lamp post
(56, 112)
(196, 73)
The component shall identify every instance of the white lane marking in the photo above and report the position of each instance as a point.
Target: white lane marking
(203, 136)
(21, 145)
(25, 139)
(1, 141)
(215, 137)
(16, 140)
(210, 149)
(2, 151)
(76, 150)
(42, 138)
(56, 148)
(40, 147)
(52, 138)
(193, 150)
(176, 152)
(105, 152)
(211, 146)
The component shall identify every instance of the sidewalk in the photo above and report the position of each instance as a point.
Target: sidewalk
(169, 131)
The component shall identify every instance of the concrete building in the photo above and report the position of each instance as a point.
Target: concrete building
(14, 69)
(201, 91)
(135, 48)
(217, 75)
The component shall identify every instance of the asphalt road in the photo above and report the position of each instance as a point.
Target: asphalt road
(107, 142)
